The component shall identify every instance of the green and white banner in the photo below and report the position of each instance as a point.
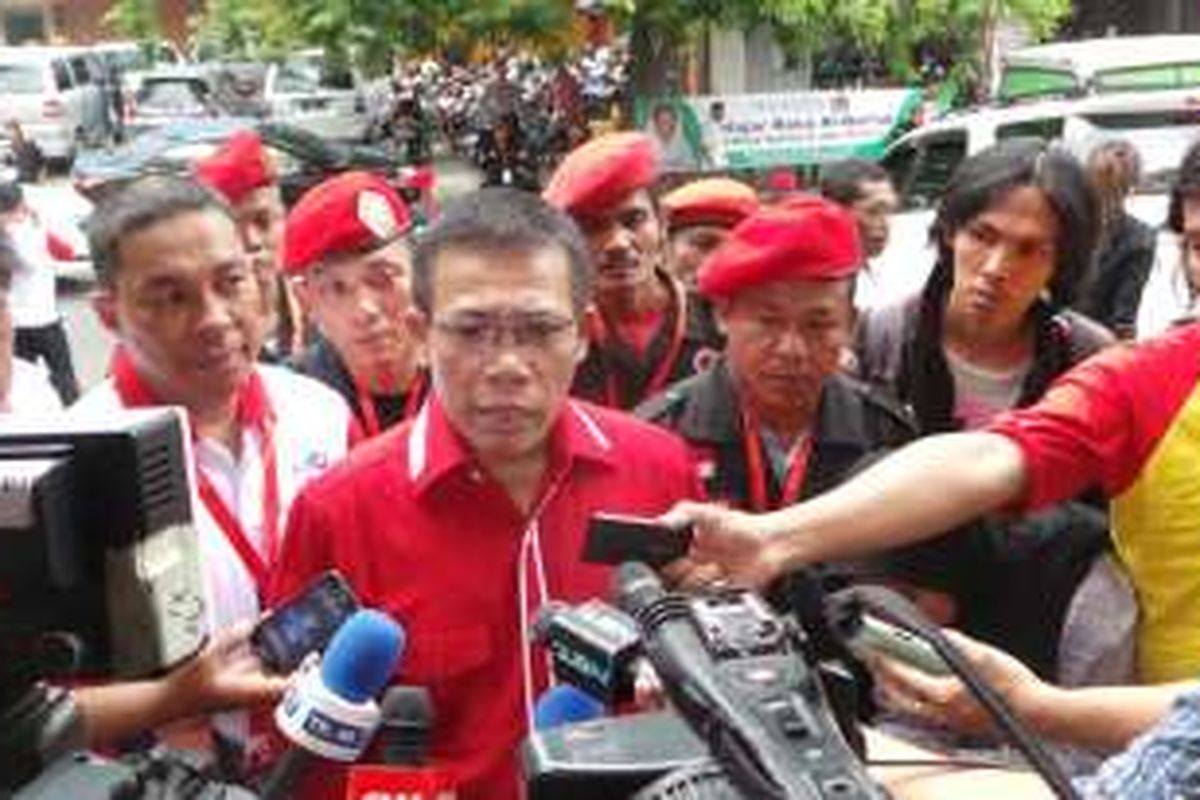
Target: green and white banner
(757, 131)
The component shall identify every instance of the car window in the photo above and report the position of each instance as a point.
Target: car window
(296, 78)
(1166, 76)
(179, 96)
(940, 157)
(62, 76)
(20, 79)
(1024, 83)
(899, 163)
(1047, 128)
(79, 71)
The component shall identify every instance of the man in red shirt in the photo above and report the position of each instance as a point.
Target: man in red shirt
(464, 521)
(645, 333)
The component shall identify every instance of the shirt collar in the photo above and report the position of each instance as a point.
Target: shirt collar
(436, 450)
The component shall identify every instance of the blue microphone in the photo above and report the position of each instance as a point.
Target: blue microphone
(563, 705)
(330, 711)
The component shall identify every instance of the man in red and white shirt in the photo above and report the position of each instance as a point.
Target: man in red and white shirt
(464, 521)
(177, 290)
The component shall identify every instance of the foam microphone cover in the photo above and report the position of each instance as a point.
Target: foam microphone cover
(563, 705)
(362, 656)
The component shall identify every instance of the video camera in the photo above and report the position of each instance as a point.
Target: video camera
(752, 716)
(100, 579)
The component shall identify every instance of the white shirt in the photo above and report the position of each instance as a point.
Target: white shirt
(311, 433)
(31, 391)
(1166, 297)
(980, 394)
(32, 298)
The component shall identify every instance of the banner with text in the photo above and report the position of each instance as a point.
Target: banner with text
(757, 131)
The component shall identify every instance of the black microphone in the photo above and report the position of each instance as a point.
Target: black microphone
(763, 715)
(406, 723)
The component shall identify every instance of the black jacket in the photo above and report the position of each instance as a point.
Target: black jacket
(1112, 288)
(854, 425)
(322, 362)
(702, 343)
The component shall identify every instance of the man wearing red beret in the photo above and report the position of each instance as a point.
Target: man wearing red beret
(243, 173)
(644, 334)
(699, 216)
(346, 242)
(775, 420)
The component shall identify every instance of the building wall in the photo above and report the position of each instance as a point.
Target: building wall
(1110, 17)
(82, 21)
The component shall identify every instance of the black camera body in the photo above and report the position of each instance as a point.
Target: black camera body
(757, 697)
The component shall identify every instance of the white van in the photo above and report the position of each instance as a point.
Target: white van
(1161, 124)
(1100, 66)
(56, 94)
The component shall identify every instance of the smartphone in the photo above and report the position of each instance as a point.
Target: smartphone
(617, 538)
(304, 623)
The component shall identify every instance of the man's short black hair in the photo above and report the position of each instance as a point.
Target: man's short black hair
(501, 220)
(1186, 187)
(842, 181)
(140, 205)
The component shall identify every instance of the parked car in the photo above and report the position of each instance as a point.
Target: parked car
(303, 91)
(303, 158)
(167, 95)
(57, 96)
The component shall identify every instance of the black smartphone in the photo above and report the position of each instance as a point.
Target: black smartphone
(303, 624)
(617, 538)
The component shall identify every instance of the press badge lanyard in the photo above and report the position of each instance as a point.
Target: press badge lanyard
(757, 469)
(254, 411)
(666, 366)
(366, 405)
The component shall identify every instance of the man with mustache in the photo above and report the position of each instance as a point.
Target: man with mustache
(775, 420)
(643, 333)
(244, 174)
(463, 522)
(346, 244)
(176, 289)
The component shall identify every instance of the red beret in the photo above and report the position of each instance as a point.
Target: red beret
(807, 239)
(349, 213)
(782, 179)
(709, 201)
(239, 166)
(602, 172)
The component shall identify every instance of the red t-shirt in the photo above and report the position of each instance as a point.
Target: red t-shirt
(422, 533)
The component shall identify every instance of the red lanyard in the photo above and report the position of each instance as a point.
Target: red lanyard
(666, 365)
(757, 470)
(366, 405)
(254, 410)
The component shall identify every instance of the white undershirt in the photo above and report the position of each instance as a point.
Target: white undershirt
(980, 394)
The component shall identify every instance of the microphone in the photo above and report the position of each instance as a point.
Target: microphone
(403, 742)
(329, 712)
(564, 705)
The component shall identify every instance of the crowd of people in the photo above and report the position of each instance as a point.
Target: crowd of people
(437, 415)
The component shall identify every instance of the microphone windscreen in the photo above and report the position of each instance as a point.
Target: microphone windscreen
(563, 705)
(362, 655)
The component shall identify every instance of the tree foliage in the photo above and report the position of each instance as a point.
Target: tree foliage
(140, 20)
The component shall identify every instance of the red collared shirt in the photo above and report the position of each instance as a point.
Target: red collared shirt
(420, 531)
